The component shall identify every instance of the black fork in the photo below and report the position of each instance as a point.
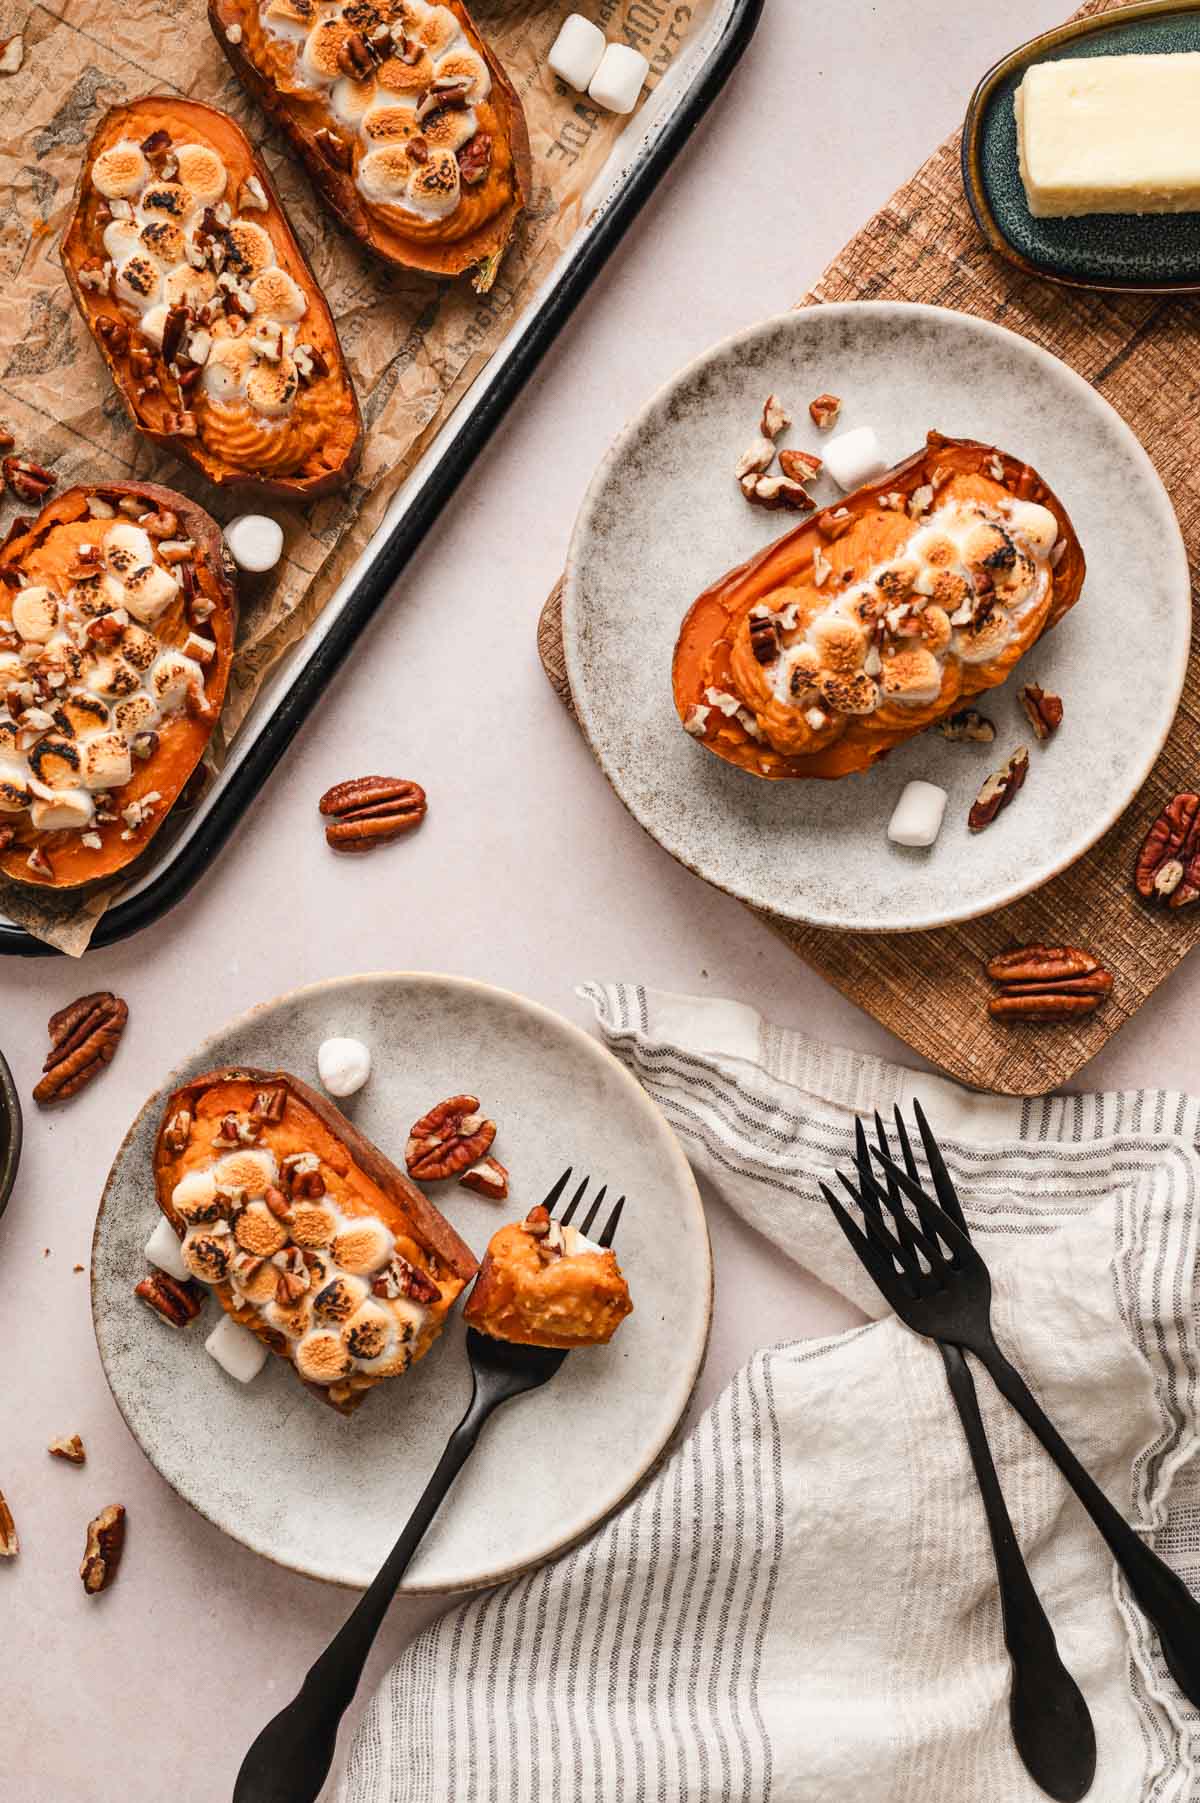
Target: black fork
(290, 1760)
(937, 1283)
(1051, 1725)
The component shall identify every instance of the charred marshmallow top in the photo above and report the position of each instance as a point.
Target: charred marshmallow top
(412, 112)
(194, 271)
(331, 1284)
(85, 682)
(958, 588)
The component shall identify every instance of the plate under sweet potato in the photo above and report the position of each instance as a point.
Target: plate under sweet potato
(410, 128)
(878, 616)
(202, 303)
(118, 610)
(308, 1235)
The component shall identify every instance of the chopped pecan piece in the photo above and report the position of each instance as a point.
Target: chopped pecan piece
(1043, 710)
(278, 1204)
(69, 1447)
(83, 1038)
(10, 1545)
(475, 160)
(775, 418)
(999, 790)
(755, 460)
(178, 1130)
(354, 58)
(537, 1222)
(114, 332)
(448, 1139)
(824, 411)
(371, 811)
(157, 141)
(777, 491)
(1168, 865)
(29, 481)
(268, 1105)
(179, 424)
(834, 523)
(801, 466)
(1047, 982)
(105, 1544)
(764, 638)
(968, 725)
(173, 1302)
(400, 1278)
(487, 1178)
(12, 54)
(334, 149)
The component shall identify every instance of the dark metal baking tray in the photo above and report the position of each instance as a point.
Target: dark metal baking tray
(643, 154)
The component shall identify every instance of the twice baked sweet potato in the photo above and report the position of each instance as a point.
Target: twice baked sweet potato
(306, 1233)
(203, 306)
(878, 616)
(117, 617)
(411, 130)
(542, 1284)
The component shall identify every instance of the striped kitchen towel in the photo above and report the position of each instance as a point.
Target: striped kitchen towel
(800, 1606)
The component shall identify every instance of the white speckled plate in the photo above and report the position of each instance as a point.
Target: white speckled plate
(289, 1477)
(663, 519)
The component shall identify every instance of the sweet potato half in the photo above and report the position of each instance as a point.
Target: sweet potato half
(410, 128)
(203, 306)
(878, 616)
(308, 1235)
(117, 617)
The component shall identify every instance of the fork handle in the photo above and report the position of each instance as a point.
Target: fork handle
(290, 1759)
(1162, 1596)
(1051, 1725)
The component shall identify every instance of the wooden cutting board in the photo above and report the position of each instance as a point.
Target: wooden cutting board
(1142, 353)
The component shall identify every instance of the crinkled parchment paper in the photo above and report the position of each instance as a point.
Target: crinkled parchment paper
(413, 344)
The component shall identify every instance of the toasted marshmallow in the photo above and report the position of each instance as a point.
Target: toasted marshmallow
(319, 58)
(70, 810)
(450, 129)
(165, 200)
(363, 1246)
(343, 1065)
(314, 1223)
(127, 547)
(321, 1358)
(112, 676)
(383, 174)
(139, 281)
(34, 613)
(463, 63)
(174, 677)
(848, 694)
(987, 544)
(119, 171)
(433, 187)
(250, 249)
(277, 296)
(164, 242)
(412, 79)
(292, 1319)
(208, 1251)
(188, 287)
(138, 714)
(149, 591)
(272, 387)
(369, 1333)
(979, 644)
(105, 760)
(251, 1170)
(1036, 525)
(289, 18)
(338, 1300)
(229, 363)
(162, 1249)
(153, 324)
(912, 675)
(195, 1197)
(840, 643)
(391, 124)
(349, 99)
(255, 1277)
(236, 1350)
(121, 239)
(256, 1230)
(138, 647)
(201, 172)
(440, 32)
(55, 763)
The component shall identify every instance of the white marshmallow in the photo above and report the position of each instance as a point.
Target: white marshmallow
(255, 542)
(853, 457)
(620, 78)
(34, 613)
(577, 51)
(918, 816)
(343, 1065)
(236, 1350)
(162, 1249)
(69, 810)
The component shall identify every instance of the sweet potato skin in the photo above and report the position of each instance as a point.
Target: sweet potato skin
(79, 867)
(137, 119)
(715, 613)
(482, 251)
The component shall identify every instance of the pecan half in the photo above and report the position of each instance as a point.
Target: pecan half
(69, 1447)
(105, 1544)
(824, 411)
(10, 1545)
(83, 1038)
(998, 791)
(176, 1303)
(1168, 865)
(1043, 710)
(400, 1278)
(764, 638)
(487, 1178)
(1047, 982)
(968, 725)
(475, 159)
(28, 481)
(801, 466)
(371, 811)
(448, 1139)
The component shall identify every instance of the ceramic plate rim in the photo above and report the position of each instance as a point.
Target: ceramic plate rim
(796, 318)
(594, 1048)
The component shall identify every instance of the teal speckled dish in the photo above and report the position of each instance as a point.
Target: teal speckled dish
(1148, 254)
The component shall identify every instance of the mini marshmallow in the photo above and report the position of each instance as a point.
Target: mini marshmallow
(255, 542)
(853, 457)
(619, 79)
(918, 816)
(343, 1065)
(162, 1249)
(577, 51)
(236, 1350)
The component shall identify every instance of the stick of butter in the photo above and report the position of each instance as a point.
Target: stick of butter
(1111, 134)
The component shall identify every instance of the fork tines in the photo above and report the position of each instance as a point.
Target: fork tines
(609, 1231)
